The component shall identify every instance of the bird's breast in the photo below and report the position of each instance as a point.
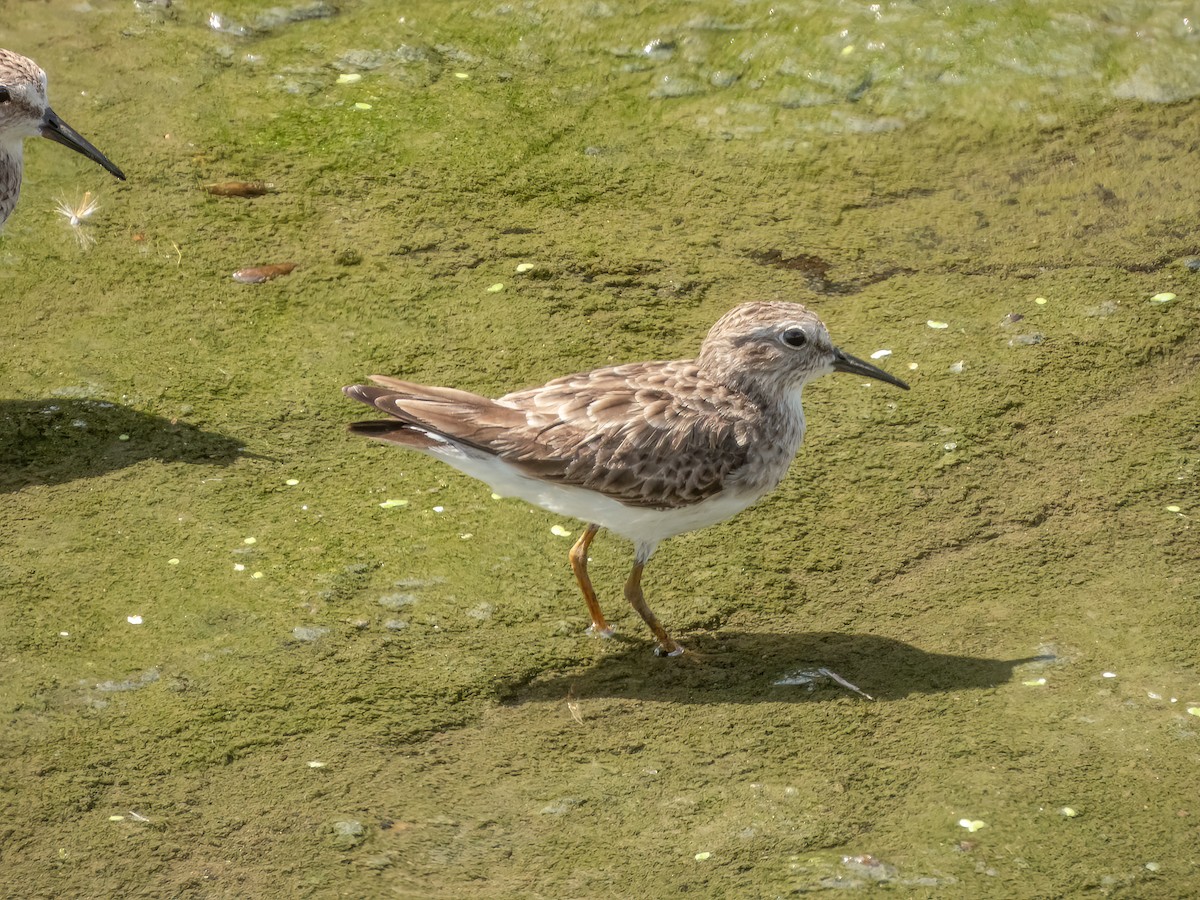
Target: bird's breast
(770, 455)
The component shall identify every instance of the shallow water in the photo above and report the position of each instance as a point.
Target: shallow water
(326, 696)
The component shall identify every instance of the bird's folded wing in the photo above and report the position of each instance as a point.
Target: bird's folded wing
(647, 434)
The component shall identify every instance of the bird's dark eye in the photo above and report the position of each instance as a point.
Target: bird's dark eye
(4, 96)
(795, 337)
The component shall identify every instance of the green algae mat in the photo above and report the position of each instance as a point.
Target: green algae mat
(243, 654)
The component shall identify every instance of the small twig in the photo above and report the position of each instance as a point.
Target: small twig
(573, 706)
(829, 673)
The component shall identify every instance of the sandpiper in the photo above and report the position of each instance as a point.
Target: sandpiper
(648, 450)
(24, 112)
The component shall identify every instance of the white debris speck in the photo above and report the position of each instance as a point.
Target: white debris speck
(1108, 674)
(466, 536)
(315, 764)
(559, 531)
(116, 818)
(912, 367)
(881, 354)
(249, 541)
(1069, 811)
(64, 634)
(482, 612)
(134, 620)
(292, 482)
(702, 856)
(933, 323)
(972, 825)
(1034, 682)
(1173, 508)
(956, 368)
(1153, 866)
(439, 509)
(1191, 710)
(173, 561)
(1153, 696)
(1165, 297)
(462, 76)
(524, 267)
(949, 445)
(122, 437)
(362, 105)
(392, 504)
(349, 78)
(495, 288)
(257, 575)
(496, 496)
(238, 567)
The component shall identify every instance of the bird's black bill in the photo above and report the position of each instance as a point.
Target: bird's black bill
(844, 362)
(60, 132)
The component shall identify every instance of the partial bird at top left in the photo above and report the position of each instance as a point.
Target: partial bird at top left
(25, 112)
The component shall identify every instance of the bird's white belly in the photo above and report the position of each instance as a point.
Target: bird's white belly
(642, 525)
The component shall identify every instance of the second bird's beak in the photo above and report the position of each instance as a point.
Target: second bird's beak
(844, 362)
(60, 132)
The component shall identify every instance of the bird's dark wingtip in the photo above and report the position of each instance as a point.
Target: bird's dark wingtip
(363, 393)
(374, 427)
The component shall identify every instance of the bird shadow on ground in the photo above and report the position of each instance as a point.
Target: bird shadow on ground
(746, 667)
(56, 440)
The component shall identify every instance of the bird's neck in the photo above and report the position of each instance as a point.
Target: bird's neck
(781, 401)
(791, 418)
(11, 163)
(780, 434)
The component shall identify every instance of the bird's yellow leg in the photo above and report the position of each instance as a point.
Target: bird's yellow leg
(579, 558)
(667, 646)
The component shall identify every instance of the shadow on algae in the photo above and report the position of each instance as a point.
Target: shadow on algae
(53, 441)
(746, 667)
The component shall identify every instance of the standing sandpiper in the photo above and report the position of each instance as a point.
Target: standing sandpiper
(24, 112)
(648, 450)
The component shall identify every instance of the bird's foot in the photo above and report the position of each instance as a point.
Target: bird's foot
(606, 632)
(676, 649)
